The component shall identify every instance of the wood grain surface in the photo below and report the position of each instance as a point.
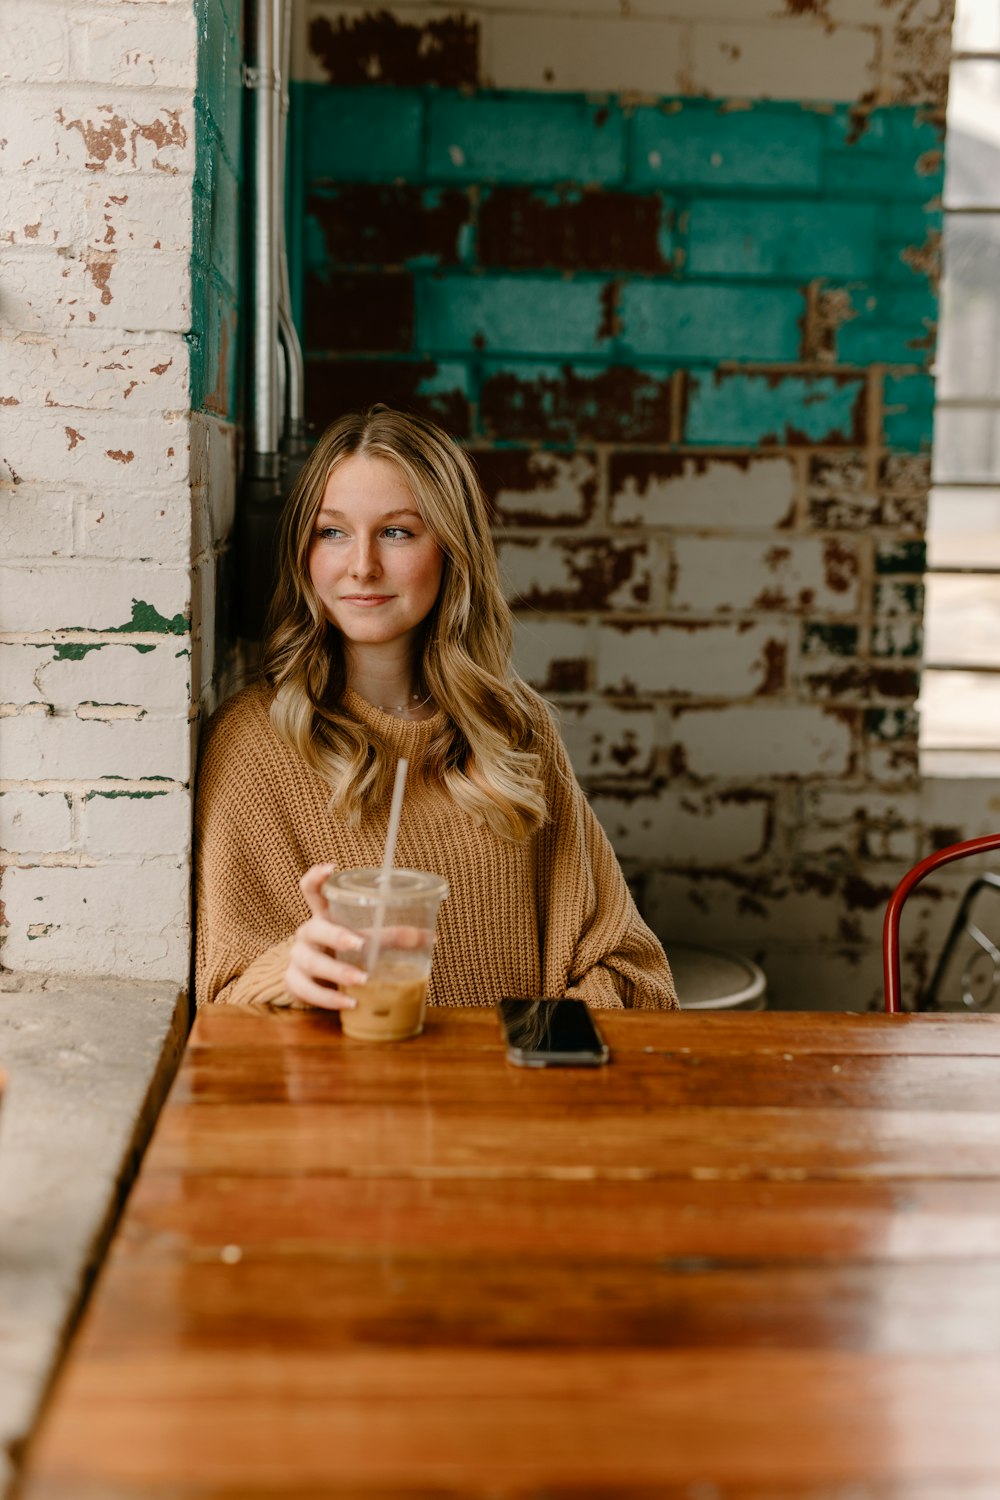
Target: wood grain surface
(755, 1258)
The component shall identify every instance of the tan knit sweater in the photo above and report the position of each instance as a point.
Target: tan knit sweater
(550, 915)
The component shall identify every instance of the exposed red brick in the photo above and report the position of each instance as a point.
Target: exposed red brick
(388, 225)
(644, 468)
(776, 668)
(370, 312)
(525, 471)
(379, 48)
(607, 406)
(597, 570)
(572, 229)
(337, 386)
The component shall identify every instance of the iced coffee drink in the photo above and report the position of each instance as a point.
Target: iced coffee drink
(395, 917)
(390, 1007)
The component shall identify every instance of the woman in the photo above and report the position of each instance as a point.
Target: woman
(391, 637)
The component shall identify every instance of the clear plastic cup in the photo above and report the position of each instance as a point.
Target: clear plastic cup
(397, 957)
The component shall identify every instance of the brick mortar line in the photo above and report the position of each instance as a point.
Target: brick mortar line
(80, 635)
(53, 787)
(81, 860)
(170, 93)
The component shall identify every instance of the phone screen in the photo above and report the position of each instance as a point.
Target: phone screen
(542, 1032)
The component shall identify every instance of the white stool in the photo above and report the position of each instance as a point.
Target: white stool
(714, 979)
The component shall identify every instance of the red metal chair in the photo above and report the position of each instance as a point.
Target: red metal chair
(890, 928)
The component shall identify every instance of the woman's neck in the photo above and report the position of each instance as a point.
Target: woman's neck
(390, 683)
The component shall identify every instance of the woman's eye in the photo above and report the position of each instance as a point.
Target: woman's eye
(328, 532)
(397, 533)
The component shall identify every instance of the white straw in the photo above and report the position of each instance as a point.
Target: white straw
(395, 813)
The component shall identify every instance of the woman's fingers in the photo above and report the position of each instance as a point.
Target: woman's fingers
(316, 963)
(311, 887)
(406, 937)
(314, 993)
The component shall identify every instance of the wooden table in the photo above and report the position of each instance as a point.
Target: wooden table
(756, 1258)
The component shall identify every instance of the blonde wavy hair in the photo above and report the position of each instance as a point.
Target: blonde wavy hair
(486, 752)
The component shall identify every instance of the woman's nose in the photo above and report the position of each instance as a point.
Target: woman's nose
(364, 558)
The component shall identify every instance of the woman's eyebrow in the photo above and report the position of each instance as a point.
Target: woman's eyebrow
(389, 515)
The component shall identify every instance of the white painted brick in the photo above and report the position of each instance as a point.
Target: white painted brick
(561, 491)
(554, 655)
(865, 823)
(918, 64)
(804, 573)
(743, 908)
(892, 765)
(90, 596)
(154, 528)
(18, 665)
(700, 658)
(860, 805)
(747, 493)
(35, 822)
(153, 677)
(124, 919)
(213, 479)
(79, 131)
(35, 43)
(689, 828)
(763, 61)
(577, 52)
(35, 524)
(38, 748)
(109, 450)
(770, 739)
(579, 573)
(144, 213)
(609, 743)
(135, 46)
(38, 211)
(969, 806)
(836, 980)
(139, 377)
(97, 288)
(117, 822)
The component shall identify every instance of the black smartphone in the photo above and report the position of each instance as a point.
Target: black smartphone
(551, 1033)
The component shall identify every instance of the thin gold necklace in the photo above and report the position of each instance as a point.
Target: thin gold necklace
(412, 704)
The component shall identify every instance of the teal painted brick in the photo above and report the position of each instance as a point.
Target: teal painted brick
(891, 327)
(907, 232)
(515, 314)
(743, 409)
(765, 147)
(524, 138)
(908, 407)
(572, 403)
(732, 237)
(361, 134)
(679, 322)
(897, 156)
(215, 205)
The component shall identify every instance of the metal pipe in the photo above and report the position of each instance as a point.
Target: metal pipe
(294, 365)
(261, 78)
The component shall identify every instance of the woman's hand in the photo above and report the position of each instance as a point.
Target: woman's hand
(313, 972)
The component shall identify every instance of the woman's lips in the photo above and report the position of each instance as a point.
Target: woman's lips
(366, 601)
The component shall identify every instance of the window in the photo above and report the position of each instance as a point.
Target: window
(960, 693)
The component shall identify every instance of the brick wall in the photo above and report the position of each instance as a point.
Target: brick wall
(104, 655)
(669, 271)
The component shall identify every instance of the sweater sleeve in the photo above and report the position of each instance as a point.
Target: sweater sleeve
(595, 945)
(247, 895)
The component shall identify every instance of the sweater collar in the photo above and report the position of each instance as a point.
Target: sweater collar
(404, 734)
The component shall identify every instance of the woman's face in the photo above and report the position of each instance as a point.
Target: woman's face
(373, 563)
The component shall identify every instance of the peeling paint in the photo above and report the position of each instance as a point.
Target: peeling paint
(380, 48)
